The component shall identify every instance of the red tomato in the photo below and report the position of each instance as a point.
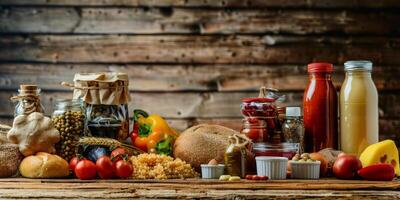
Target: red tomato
(255, 177)
(85, 170)
(73, 162)
(346, 167)
(105, 167)
(117, 154)
(123, 169)
(263, 178)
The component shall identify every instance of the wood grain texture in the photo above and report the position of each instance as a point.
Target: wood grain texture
(179, 20)
(214, 3)
(200, 189)
(198, 49)
(181, 77)
(195, 104)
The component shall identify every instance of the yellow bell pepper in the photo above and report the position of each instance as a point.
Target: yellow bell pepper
(152, 133)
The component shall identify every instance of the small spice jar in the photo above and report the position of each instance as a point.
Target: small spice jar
(28, 100)
(293, 128)
(68, 118)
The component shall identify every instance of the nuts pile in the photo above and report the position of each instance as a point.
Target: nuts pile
(70, 125)
(154, 166)
(305, 157)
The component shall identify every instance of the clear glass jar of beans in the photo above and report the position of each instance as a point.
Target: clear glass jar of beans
(68, 118)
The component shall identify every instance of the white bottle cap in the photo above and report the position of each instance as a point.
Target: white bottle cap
(293, 111)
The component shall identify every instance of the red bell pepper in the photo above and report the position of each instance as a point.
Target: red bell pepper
(377, 172)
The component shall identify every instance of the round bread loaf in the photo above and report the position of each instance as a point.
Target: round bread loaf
(202, 143)
(10, 157)
(44, 165)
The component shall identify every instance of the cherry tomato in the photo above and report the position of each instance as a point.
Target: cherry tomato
(105, 167)
(123, 169)
(117, 154)
(249, 177)
(85, 170)
(73, 162)
(263, 178)
(255, 177)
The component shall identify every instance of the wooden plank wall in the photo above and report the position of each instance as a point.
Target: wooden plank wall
(193, 60)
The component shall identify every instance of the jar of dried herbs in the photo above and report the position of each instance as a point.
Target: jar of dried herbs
(68, 118)
(293, 127)
(106, 97)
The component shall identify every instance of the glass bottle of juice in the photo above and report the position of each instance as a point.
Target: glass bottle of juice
(358, 108)
(320, 109)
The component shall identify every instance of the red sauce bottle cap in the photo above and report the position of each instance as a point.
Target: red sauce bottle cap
(320, 67)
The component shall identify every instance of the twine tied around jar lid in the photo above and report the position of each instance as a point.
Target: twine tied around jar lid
(105, 88)
(28, 94)
(271, 93)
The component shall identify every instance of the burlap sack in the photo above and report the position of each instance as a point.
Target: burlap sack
(10, 158)
(107, 88)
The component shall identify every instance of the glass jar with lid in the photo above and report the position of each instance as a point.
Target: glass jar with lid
(68, 118)
(293, 128)
(27, 100)
(255, 129)
(359, 119)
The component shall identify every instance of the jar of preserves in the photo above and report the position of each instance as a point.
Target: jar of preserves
(320, 109)
(28, 100)
(359, 125)
(68, 118)
(255, 129)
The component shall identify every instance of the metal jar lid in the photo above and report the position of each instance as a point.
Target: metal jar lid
(358, 65)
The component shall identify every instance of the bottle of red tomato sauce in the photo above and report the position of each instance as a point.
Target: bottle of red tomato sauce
(320, 109)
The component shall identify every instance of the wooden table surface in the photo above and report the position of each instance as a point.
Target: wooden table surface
(19, 188)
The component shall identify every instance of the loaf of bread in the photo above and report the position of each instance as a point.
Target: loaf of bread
(44, 165)
(10, 157)
(202, 143)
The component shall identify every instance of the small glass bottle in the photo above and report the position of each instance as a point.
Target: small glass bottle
(68, 118)
(235, 156)
(293, 127)
(28, 100)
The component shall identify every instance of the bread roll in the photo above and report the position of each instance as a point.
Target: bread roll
(199, 144)
(44, 165)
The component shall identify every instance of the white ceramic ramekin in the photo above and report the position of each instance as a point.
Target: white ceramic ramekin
(273, 167)
(212, 171)
(305, 170)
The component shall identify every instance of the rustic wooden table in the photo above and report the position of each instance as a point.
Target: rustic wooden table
(20, 188)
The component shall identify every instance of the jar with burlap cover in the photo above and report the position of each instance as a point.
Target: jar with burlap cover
(10, 158)
(106, 97)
